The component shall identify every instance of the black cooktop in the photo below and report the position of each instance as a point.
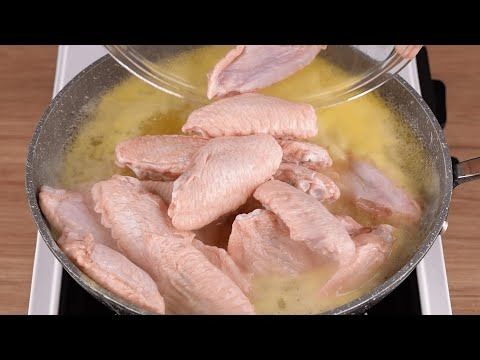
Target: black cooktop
(404, 300)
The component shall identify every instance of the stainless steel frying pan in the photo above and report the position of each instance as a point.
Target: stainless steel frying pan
(60, 122)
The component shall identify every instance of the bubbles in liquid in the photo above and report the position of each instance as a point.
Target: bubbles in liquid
(365, 127)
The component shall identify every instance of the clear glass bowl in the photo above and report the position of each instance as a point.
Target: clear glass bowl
(366, 67)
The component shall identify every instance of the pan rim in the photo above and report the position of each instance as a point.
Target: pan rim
(120, 306)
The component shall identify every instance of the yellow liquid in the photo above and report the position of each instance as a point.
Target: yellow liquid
(365, 127)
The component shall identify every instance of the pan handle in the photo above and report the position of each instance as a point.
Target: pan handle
(464, 171)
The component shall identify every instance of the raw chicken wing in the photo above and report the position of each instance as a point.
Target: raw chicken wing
(161, 188)
(158, 157)
(112, 270)
(190, 283)
(373, 248)
(260, 243)
(320, 186)
(222, 260)
(69, 210)
(84, 240)
(308, 221)
(374, 193)
(250, 114)
(353, 228)
(306, 154)
(247, 68)
(221, 177)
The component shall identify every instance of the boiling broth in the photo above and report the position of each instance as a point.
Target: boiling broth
(366, 127)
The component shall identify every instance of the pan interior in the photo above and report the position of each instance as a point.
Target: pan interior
(104, 105)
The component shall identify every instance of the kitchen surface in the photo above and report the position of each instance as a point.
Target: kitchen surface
(26, 85)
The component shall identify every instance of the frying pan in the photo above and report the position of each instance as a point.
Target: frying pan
(61, 120)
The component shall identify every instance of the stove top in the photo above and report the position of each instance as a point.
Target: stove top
(425, 291)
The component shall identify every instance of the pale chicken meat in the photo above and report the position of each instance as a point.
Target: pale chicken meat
(189, 282)
(373, 249)
(112, 270)
(90, 246)
(161, 188)
(306, 154)
(217, 232)
(249, 114)
(158, 157)
(222, 260)
(373, 192)
(222, 177)
(353, 228)
(247, 68)
(260, 243)
(70, 210)
(308, 221)
(320, 186)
